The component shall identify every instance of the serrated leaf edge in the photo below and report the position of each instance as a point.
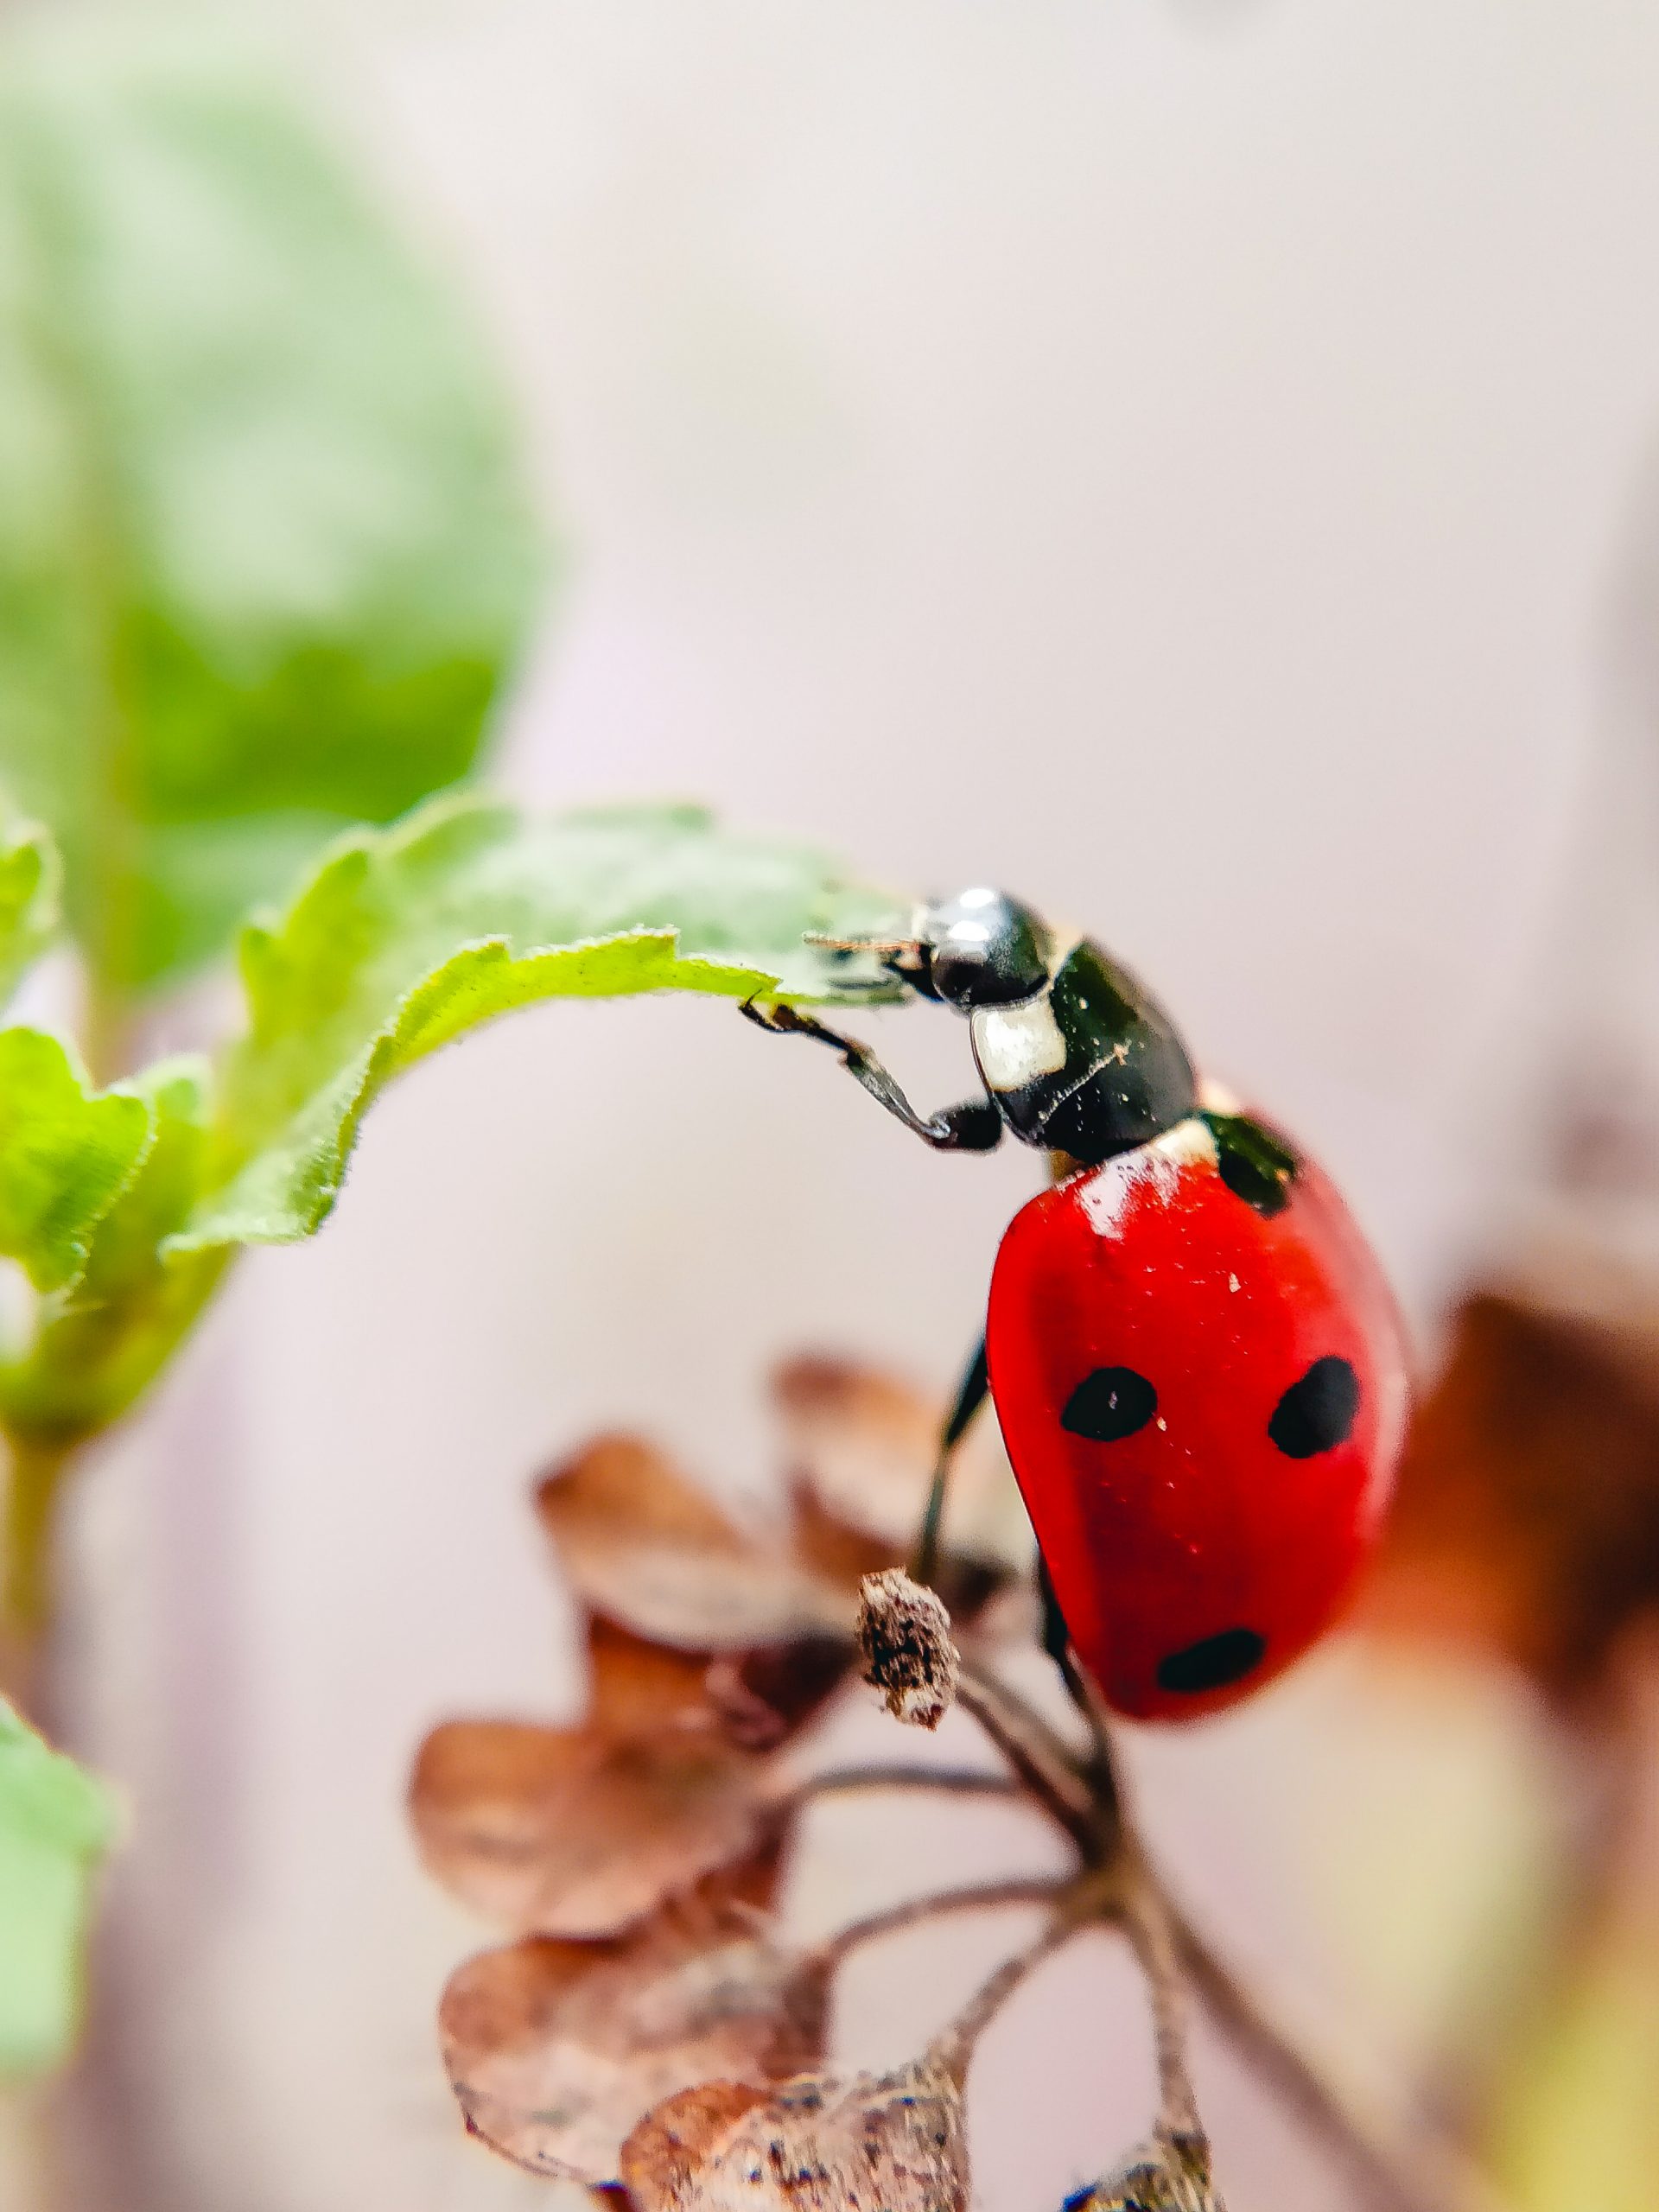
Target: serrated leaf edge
(44, 896)
(80, 1247)
(401, 1033)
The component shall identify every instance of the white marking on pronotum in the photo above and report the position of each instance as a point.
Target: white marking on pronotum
(1015, 1044)
(1107, 1191)
(1216, 1097)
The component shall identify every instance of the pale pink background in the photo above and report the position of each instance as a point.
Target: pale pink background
(1175, 459)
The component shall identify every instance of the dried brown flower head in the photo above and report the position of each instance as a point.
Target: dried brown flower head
(904, 1641)
(1528, 1514)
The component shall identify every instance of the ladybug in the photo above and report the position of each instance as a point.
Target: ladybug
(1194, 1358)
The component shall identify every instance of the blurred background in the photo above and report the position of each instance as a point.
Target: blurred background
(1196, 462)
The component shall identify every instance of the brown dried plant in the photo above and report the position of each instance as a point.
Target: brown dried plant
(651, 2029)
(1526, 1522)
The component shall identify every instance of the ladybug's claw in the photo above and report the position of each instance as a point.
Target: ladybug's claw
(974, 1125)
(781, 1021)
(778, 1020)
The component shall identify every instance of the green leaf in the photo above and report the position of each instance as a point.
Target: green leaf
(1573, 2121)
(264, 554)
(97, 1346)
(406, 938)
(55, 1824)
(29, 896)
(124, 1206)
(65, 1156)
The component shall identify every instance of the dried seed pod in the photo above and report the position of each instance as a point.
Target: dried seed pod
(820, 2143)
(1169, 2174)
(904, 1638)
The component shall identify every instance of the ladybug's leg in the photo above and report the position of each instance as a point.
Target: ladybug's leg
(971, 1397)
(1057, 1641)
(1057, 1636)
(975, 1126)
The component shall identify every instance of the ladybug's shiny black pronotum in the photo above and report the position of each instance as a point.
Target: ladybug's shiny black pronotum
(1195, 1360)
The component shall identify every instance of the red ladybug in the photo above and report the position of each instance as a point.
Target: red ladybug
(1194, 1358)
(1203, 1402)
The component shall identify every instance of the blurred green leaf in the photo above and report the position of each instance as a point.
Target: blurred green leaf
(124, 1206)
(96, 1345)
(29, 896)
(55, 1824)
(264, 552)
(1576, 2123)
(65, 1154)
(406, 938)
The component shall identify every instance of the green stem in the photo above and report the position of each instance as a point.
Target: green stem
(28, 1586)
(54, 327)
(107, 1030)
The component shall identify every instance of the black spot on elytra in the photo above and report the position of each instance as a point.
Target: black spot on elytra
(1252, 1162)
(1112, 1403)
(1318, 1413)
(1213, 1664)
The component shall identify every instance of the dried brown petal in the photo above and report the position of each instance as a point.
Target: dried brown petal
(555, 2050)
(755, 1699)
(662, 2157)
(572, 1832)
(636, 1687)
(896, 2141)
(762, 1697)
(1528, 1514)
(643, 1547)
(1169, 2174)
(904, 1639)
(860, 1448)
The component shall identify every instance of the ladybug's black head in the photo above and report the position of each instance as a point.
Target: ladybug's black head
(980, 948)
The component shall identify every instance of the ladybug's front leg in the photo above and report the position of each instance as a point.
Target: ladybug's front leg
(975, 1126)
(971, 1397)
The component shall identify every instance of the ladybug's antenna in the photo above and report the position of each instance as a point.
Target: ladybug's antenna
(888, 947)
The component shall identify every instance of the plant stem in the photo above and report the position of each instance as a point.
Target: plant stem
(31, 2178)
(1035, 1752)
(28, 1587)
(1084, 1797)
(1092, 1897)
(106, 1032)
(949, 1781)
(54, 328)
(892, 1920)
(1429, 2176)
(1148, 1920)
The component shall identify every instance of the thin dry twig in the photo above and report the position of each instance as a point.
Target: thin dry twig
(954, 2047)
(1086, 1800)
(1148, 1920)
(1033, 1748)
(984, 1897)
(947, 1781)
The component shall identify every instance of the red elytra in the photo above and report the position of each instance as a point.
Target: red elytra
(1203, 1405)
